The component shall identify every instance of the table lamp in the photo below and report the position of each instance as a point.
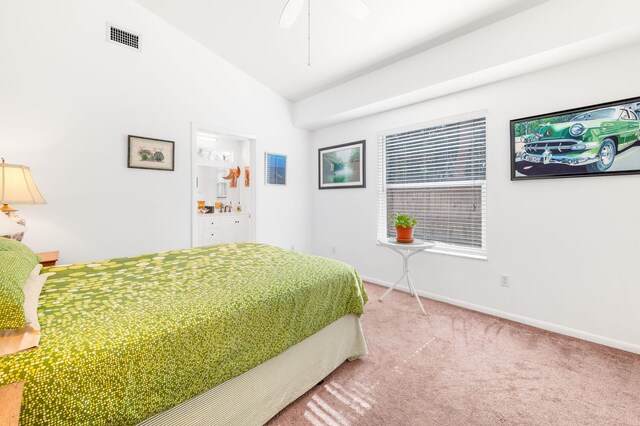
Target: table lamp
(17, 187)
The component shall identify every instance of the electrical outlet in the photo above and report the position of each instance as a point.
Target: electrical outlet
(293, 247)
(504, 281)
(333, 249)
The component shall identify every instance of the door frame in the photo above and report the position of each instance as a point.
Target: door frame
(252, 139)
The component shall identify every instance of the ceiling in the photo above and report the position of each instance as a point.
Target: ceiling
(246, 34)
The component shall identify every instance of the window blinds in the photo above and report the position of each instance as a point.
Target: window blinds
(438, 175)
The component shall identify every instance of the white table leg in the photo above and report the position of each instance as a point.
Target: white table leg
(393, 287)
(405, 259)
(406, 251)
(415, 293)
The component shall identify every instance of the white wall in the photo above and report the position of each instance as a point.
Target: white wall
(570, 246)
(552, 33)
(68, 100)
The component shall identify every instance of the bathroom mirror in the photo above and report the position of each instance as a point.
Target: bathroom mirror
(222, 190)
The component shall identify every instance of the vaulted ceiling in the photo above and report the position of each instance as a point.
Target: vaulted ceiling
(246, 34)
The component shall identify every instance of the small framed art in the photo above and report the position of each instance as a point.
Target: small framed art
(275, 169)
(342, 166)
(154, 154)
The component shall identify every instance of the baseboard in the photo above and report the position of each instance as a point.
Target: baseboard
(567, 331)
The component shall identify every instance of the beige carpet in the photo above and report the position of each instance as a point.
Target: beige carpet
(459, 367)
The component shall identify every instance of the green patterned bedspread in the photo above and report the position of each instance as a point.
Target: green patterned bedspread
(124, 339)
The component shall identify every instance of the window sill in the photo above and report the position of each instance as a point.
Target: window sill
(449, 252)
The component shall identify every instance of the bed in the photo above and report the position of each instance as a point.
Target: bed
(226, 334)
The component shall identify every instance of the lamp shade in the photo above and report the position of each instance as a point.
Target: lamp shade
(9, 226)
(17, 185)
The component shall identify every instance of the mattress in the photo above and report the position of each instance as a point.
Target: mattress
(125, 339)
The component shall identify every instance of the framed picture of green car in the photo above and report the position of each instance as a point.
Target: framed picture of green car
(342, 166)
(596, 140)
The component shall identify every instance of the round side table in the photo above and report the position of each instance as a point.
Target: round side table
(406, 250)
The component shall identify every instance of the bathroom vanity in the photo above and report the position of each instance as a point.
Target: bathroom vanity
(221, 228)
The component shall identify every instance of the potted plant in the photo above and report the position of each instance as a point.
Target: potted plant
(404, 224)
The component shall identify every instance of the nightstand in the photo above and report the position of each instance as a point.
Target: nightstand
(10, 401)
(49, 258)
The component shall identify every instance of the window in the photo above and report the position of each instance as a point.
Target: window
(624, 115)
(437, 173)
(599, 114)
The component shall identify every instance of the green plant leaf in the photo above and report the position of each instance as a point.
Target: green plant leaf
(403, 220)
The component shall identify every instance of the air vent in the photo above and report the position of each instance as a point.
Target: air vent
(123, 37)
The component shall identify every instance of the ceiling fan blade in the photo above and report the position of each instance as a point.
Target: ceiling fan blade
(356, 8)
(290, 13)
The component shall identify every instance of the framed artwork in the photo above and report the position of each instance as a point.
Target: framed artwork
(596, 140)
(342, 166)
(154, 154)
(275, 167)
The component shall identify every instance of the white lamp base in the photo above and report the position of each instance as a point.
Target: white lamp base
(11, 213)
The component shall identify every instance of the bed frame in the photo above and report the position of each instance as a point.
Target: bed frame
(259, 394)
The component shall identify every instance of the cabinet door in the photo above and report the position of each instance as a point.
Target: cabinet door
(236, 229)
(229, 230)
(243, 229)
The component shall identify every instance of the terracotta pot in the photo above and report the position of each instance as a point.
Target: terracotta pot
(404, 235)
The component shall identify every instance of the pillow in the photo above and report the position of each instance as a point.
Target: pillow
(7, 244)
(32, 289)
(35, 272)
(15, 267)
(12, 341)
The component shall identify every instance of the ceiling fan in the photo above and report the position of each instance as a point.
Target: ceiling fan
(293, 9)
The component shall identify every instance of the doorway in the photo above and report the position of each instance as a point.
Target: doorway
(223, 186)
